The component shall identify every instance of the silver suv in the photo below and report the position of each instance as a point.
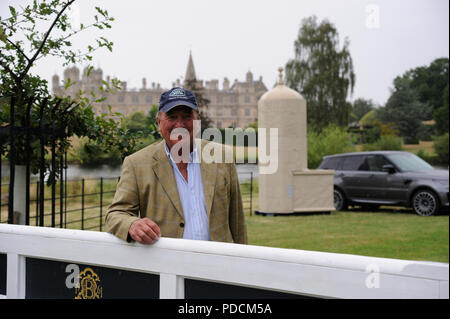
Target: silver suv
(387, 178)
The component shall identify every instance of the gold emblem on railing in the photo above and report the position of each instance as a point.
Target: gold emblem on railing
(89, 287)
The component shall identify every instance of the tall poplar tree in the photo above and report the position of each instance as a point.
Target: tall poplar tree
(322, 73)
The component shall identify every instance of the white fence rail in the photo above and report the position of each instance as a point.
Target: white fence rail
(307, 273)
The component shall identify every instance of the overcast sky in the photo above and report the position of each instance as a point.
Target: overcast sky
(152, 39)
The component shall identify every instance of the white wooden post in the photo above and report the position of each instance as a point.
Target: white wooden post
(171, 286)
(15, 282)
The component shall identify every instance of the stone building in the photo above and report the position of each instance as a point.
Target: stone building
(234, 104)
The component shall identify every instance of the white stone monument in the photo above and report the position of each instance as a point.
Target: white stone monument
(292, 188)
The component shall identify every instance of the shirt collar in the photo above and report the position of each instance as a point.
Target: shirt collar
(193, 156)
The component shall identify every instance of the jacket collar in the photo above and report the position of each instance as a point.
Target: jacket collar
(163, 170)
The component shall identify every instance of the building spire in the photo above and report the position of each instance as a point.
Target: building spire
(190, 71)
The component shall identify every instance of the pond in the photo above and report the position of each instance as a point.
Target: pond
(106, 171)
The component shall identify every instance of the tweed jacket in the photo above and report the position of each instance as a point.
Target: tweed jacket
(147, 188)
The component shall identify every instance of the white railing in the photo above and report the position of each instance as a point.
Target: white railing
(309, 273)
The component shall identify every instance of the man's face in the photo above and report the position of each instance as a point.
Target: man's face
(179, 117)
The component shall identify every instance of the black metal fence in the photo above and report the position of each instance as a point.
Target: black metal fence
(34, 128)
(82, 202)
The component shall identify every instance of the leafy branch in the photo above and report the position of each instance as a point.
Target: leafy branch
(28, 96)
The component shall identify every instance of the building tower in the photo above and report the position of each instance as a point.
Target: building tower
(190, 71)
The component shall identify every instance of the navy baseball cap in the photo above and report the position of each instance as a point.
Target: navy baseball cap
(175, 97)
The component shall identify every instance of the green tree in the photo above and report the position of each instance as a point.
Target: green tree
(360, 107)
(150, 121)
(441, 116)
(404, 109)
(429, 82)
(441, 147)
(90, 154)
(23, 44)
(322, 72)
(137, 122)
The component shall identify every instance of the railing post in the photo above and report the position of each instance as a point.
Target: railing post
(82, 203)
(42, 163)
(171, 286)
(15, 282)
(37, 202)
(53, 163)
(65, 189)
(28, 160)
(12, 163)
(101, 201)
(61, 191)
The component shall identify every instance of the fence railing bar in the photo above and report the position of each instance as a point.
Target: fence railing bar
(38, 217)
(61, 190)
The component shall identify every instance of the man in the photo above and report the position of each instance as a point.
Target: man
(165, 190)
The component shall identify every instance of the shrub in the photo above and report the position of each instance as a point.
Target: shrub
(426, 133)
(432, 159)
(89, 154)
(332, 140)
(441, 148)
(385, 143)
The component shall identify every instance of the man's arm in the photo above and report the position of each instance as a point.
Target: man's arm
(122, 216)
(236, 213)
(124, 209)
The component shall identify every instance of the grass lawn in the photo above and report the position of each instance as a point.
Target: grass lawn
(399, 235)
(426, 146)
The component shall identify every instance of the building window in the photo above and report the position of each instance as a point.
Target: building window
(233, 112)
(219, 112)
(247, 112)
(121, 98)
(135, 99)
(148, 99)
(219, 124)
(219, 99)
(247, 99)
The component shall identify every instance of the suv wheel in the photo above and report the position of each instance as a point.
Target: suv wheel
(339, 200)
(425, 203)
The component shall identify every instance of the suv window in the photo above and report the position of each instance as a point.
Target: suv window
(353, 163)
(331, 163)
(376, 162)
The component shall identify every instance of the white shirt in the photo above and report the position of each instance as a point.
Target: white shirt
(192, 197)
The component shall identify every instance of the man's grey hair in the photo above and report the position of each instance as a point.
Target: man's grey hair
(158, 115)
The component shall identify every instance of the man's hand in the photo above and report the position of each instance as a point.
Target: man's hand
(144, 231)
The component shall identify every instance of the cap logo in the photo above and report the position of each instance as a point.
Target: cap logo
(177, 92)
